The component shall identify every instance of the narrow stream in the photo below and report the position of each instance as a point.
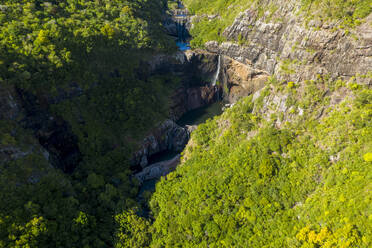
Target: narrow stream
(183, 46)
(183, 35)
(193, 117)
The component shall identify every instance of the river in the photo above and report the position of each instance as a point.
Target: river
(193, 117)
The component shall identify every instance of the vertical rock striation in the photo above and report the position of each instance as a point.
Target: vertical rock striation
(286, 46)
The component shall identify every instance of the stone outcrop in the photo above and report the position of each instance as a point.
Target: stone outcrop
(283, 45)
(167, 137)
(158, 170)
(29, 116)
(196, 70)
(240, 79)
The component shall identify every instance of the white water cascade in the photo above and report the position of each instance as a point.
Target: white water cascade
(217, 72)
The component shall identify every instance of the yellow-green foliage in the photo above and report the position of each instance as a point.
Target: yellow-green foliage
(249, 184)
(348, 12)
(95, 47)
(368, 157)
(133, 231)
(290, 85)
(288, 66)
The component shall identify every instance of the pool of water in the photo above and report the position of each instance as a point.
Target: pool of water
(162, 156)
(194, 117)
(200, 115)
(183, 46)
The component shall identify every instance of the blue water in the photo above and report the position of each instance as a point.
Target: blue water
(180, 5)
(183, 46)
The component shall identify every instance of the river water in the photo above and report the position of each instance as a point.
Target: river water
(200, 115)
(193, 117)
(183, 46)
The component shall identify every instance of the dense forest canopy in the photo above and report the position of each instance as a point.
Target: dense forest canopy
(246, 183)
(248, 178)
(80, 61)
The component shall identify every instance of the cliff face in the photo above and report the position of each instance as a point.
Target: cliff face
(294, 155)
(196, 70)
(284, 46)
(258, 47)
(240, 79)
(18, 146)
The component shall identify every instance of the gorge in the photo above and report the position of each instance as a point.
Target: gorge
(203, 69)
(216, 123)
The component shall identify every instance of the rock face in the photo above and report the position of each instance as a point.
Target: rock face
(10, 108)
(296, 52)
(170, 21)
(196, 70)
(53, 133)
(167, 137)
(184, 100)
(240, 79)
(158, 170)
(51, 136)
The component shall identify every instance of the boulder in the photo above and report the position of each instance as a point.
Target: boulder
(166, 137)
(241, 79)
(158, 170)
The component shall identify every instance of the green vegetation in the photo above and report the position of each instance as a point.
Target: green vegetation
(288, 66)
(204, 29)
(349, 13)
(247, 183)
(256, 176)
(49, 49)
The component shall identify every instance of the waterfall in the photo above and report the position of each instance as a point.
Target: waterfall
(217, 72)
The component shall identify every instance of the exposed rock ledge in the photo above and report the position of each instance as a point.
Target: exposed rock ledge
(240, 79)
(294, 52)
(197, 69)
(167, 137)
(158, 170)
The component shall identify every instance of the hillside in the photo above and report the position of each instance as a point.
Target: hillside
(97, 148)
(288, 166)
(212, 17)
(287, 169)
(73, 108)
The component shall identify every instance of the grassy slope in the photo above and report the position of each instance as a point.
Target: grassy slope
(349, 14)
(247, 183)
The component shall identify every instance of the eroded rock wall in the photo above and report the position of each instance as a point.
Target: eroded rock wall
(286, 46)
(196, 70)
(166, 137)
